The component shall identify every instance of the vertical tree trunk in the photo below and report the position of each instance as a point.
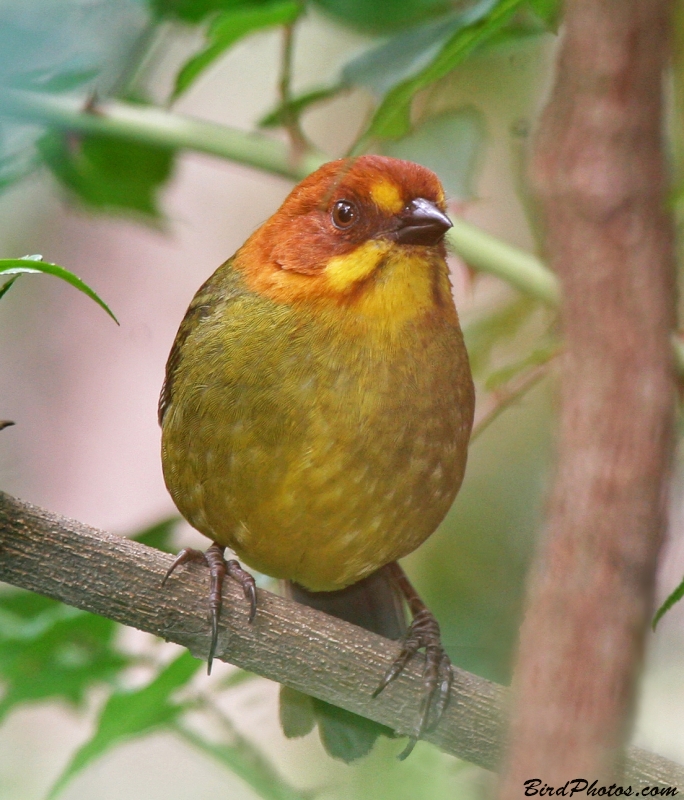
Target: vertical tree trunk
(599, 170)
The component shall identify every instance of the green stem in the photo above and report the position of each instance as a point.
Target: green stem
(291, 124)
(487, 254)
(155, 126)
(166, 129)
(246, 762)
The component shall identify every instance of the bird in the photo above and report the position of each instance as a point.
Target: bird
(316, 413)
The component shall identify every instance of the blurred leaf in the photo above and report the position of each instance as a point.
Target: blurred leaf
(132, 713)
(382, 68)
(672, 600)
(51, 80)
(449, 144)
(236, 678)
(196, 11)
(538, 356)
(428, 775)
(62, 41)
(296, 713)
(484, 334)
(243, 759)
(56, 46)
(229, 28)
(379, 16)
(50, 650)
(471, 30)
(548, 11)
(15, 163)
(159, 535)
(35, 265)
(294, 108)
(108, 173)
(7, 286)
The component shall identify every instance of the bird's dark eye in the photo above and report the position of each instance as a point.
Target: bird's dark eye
(344, 214)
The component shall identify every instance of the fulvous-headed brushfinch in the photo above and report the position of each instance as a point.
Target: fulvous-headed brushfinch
(317, 408)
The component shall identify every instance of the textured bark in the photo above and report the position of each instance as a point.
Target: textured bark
(599, 169)
(288, 642)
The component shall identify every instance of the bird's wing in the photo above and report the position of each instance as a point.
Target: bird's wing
(223, 287)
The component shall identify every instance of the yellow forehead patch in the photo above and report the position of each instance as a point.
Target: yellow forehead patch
(345, 271)
(387, 197)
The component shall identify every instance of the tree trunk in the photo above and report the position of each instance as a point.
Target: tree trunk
(599, 170)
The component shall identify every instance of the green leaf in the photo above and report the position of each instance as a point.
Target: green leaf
(382, 68)
(236, 678)
(294, 108)
(484, 334)
(7, 286)
(243, 759)
(392, 119)
(672, 600)
(132, 713)
(548, 11)
(229, 28)
(196, 11)
(449, 144)
(35, 265)
(51, 80)
(108, 173)
(540, 355)
(381, 16)
(49, 650)
(15, 165)
(159, 535)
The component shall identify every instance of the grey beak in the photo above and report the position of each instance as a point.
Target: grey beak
(421, 223)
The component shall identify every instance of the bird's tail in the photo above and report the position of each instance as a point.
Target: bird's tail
(374, 604)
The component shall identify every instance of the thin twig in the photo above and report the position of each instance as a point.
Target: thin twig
(510, 395)
(298, 141)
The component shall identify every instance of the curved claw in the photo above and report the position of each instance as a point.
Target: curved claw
(214, 639)
(443, 691)
(250, 594)
(397, 667)
(437, 674)
(185, 555)
(248, 585)
(218, 569)
(406, 752)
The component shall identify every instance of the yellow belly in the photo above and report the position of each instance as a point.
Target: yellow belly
(317, 454)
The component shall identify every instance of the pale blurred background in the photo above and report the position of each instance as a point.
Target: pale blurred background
(83, 393)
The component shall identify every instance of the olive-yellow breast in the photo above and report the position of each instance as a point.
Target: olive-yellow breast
(318, 399)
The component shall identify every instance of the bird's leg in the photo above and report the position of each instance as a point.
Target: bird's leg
(423, 632)
(218, 569)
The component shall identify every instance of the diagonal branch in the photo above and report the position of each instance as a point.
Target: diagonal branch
(302, 648)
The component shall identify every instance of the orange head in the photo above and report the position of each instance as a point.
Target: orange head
(341, 227)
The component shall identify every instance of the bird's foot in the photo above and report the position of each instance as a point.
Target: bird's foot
(438, 675)
(218, 569)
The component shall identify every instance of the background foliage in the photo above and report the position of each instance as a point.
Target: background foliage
(57, 77)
